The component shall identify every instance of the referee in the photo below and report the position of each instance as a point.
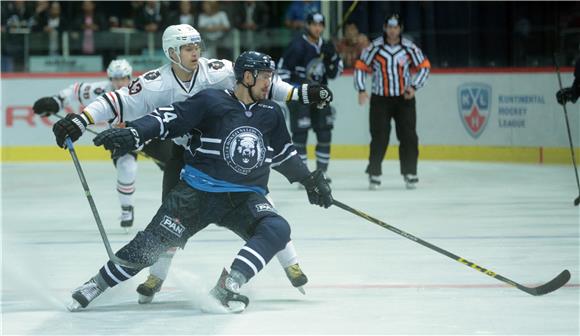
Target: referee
(389, 59)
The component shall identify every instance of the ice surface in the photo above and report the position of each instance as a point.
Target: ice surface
(517, 220)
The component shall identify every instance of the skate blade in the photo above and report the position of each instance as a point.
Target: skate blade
(127, 229)
(74, 306)
(236, 307)
(301, 290)
(213, 306)
(144, 299)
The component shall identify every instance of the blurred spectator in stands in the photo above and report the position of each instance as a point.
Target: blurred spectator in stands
(297, 11)
(16, 20)
(184, 15)
(134, 12)
(114, 22)
(53, 25)
(251, 16)
(40, 16)
(17, 15)
(351, 45)
(87, 24)
(213, 23)
(150, 18)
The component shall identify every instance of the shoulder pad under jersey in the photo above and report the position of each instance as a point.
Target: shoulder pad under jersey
(98, 88)
(154, 80)
(215, 70)
(86, 93)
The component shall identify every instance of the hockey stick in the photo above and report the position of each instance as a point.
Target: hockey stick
(546, 288)
(347, 14)
(112, 256)
(577, 200)
(139, 152)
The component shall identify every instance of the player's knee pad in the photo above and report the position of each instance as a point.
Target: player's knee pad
(275, 230)
(126, 168)
(144, 249)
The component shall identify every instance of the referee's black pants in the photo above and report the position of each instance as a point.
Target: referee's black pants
(382, 110)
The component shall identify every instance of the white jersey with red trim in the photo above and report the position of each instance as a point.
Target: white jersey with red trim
(161, 87)
(82, 94)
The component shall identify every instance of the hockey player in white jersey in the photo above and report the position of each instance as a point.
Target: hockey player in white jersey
(119, 73)
(187, 74)
(82, 94)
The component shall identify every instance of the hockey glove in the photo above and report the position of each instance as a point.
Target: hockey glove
(73, 126)
(318, 189)
(328, 52)
(119, 141)
(314, 94)
(45, 106)
(566, 95)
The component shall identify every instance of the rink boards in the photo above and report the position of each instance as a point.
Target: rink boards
(506, 115)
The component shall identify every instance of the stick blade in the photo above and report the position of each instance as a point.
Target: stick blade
(552, 285)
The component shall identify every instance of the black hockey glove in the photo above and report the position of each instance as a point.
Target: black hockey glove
(314, 94)
(45, 106)
(328, 52)
(566, 95)
(318, 189)
(119, 141)
(73, 126)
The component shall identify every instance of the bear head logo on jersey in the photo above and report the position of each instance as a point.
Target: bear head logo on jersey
(247, 148)
(315, 70)
(244, 149)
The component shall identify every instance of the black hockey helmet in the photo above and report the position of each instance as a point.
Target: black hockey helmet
(252, 61)
(315, 17)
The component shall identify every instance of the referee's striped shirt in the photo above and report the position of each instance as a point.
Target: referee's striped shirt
(390, 66)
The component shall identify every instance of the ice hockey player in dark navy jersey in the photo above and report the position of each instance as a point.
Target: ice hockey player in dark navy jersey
(310, 59)
(234, 144)
(238, 137)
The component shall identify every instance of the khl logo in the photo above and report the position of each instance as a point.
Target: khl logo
(474, 100)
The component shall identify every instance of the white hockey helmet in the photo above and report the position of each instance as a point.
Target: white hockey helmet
(176, 36)
(119, 69)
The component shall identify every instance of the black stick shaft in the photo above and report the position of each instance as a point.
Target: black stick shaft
(576, 201)
(104, 237)
(551, 286)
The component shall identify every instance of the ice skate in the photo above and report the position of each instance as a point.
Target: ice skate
(411, 181)
(296, 277)
(84, 295)
(226, 291)
(149, 288)
(374, 182)
(127, 217)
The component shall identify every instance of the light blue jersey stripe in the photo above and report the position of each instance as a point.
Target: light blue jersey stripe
(198, 180)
